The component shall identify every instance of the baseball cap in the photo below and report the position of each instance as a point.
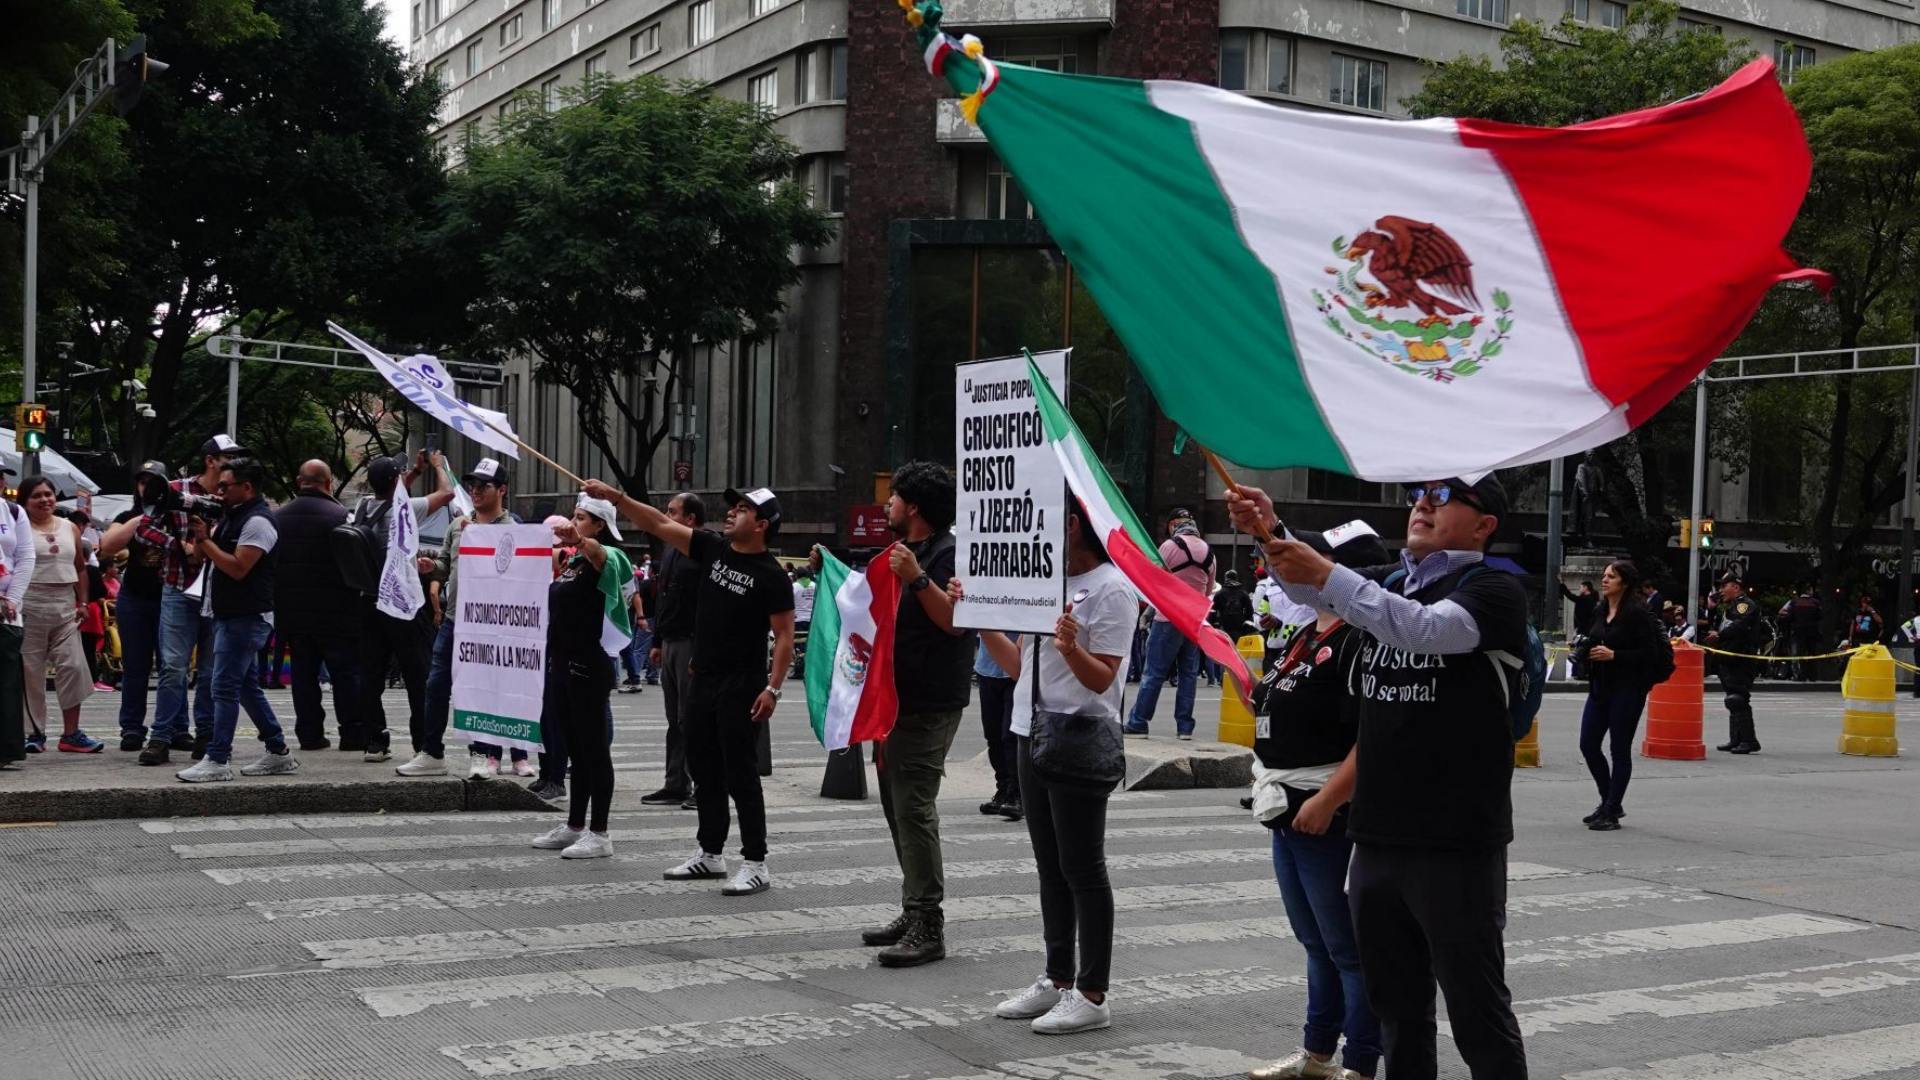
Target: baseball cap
(1486, 493)
(603, 510)
(487, 469)
(1732, 577)
(766, 505)
(152, 467)
(1179, 512)
(1354, 545)
(222, 444)
(382, 474)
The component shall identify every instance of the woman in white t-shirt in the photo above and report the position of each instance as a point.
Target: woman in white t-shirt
(1082, 668)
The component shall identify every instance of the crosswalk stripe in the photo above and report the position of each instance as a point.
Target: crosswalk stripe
(1845, 1056)
(585, 892)
(673, 976)
(1157, 1061)
(1731, 993)
(182, 826)
(1704, 935)
(760, 1032)
(451, 947)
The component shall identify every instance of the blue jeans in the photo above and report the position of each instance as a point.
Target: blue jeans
(633, 658)
(440, 695)
(182, 630)
(1312, 872)
(236, 667)
(1168, 652)
(139, 619)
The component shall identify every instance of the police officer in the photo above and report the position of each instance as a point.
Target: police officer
(1740, 631)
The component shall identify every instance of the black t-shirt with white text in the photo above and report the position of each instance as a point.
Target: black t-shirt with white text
(1436, 745)
(738, 596)
(932, 669)
(1306, 717)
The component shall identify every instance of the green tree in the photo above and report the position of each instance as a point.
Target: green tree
(1553, 75)
(610, 237)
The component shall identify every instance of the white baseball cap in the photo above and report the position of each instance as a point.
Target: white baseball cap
(603, 510)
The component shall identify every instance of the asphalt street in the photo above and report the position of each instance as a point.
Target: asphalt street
(1756, 919)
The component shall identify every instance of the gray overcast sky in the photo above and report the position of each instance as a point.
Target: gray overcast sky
(396, 20)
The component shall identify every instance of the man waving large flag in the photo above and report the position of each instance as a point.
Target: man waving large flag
(1535, 291)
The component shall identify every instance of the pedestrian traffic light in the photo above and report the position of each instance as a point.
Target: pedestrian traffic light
(1686, 533)
(1706, 533)
(130, 74)
(29, 428)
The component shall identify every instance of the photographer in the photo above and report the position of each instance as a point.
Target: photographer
(146, 532)
(182, 629)
(238, 601)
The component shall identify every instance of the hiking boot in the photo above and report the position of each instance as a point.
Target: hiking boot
(1010, 808)
(182, 742)
(132, 740)
(924, 942)
(156, 753)
(890, 933)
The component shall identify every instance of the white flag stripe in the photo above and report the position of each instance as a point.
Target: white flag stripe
(416, 382)
(854, 602)
(1846, 1056)
(400, 593)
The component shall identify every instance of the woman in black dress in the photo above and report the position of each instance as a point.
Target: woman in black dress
(1621, 651)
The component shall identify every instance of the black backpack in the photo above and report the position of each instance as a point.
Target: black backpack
(360, 546)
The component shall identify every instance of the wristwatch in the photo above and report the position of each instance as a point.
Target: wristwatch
(774, 690)
(919, 583)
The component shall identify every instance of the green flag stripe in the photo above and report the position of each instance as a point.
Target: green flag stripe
(823, 640)
(1060, 427)
(1126, 192)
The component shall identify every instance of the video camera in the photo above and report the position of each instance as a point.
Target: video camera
(205, 507)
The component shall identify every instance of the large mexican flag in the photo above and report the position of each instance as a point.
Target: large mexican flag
(1128, 543)
(1400, 300)
(850, 695)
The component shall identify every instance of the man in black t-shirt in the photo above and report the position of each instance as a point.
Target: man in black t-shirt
(676, 586)
(1432, 806)
(743, 593)
(932, 678)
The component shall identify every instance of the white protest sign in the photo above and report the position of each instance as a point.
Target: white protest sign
(500, 633)
(422, 380)
(1010, 517)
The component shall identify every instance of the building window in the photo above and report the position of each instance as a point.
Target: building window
(550, 94)
(1789, 58)
(473, 59)
(645, 43)
(837, 72)
(803, 76)
(1279, 60)
(470, 134)
(596, 65)
(507, 108)
(416, 21)
(1359, 82)
(836, 193)
(433, 11)
(1579, 10)
(699, 22)
(438, 73)
(1484, 10)
(1613, 15)
(753, 424)
(512, 29)
(1234, 47)
(764, 90)
(1688, 26)
(1047, 54)
(757, 8)
(549, 14)
(1005, 200)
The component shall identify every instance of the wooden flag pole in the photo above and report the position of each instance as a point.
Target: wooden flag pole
(1220, 469)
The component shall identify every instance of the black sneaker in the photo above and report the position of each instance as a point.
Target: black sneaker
(156, 753)
(1010, 808)
(664, 797)
(1604, 823)
(991, 806)
(321, 743)
(923, 943)
(132, 740)
(692, 803)
(1727, 747)
(890, 933)
(1598, 813)
(1746, 748)
(550, 790)
(182, 742)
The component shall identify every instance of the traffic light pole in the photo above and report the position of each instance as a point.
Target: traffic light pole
(30, 461)
(1694, 610)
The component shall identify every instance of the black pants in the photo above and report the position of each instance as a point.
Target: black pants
(13, 695)
(309, 651)
(996, 723)
(1807, 644)
(1613, 718)
(1421, 916)
(1068, 827)
(721, 738)
(1736, 678)
(676, 685)
(576, 700)
(386, 641)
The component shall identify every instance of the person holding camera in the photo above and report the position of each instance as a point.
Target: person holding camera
(146, 532)
(238, 600)
(183, 631)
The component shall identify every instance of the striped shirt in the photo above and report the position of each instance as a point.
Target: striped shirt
(1440, 628)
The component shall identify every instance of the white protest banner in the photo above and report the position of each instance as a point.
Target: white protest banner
(500, 633)
(400, 594)
(1010, 516)
(423, 381)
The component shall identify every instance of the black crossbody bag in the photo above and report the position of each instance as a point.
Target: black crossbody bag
(1081, 749)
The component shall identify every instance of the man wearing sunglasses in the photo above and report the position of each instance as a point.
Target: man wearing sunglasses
(1432, 810)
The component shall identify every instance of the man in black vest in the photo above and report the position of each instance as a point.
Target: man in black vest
(1432, 805)
(308, 613)
(239, 599)
(676, 584)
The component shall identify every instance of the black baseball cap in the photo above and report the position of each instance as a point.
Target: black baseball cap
(766, 505)
(1179, 512)
(152, 467)
(1486, 494)
(487, 469)
(222, 445)
(1732, 577)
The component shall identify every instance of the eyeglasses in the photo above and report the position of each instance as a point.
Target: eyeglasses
(476, 485)
(1439, 495)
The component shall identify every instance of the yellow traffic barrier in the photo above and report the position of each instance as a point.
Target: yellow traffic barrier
(1526, 752)
(1236, 720)
(1867, 729)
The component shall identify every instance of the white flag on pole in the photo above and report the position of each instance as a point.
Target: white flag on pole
(400, 593)
(422, 380)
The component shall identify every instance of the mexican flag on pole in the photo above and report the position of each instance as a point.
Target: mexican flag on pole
(1305, 288)
(1128, 543)
(617, 586)
(850, 696)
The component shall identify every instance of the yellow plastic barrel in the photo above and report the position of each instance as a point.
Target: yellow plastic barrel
(1526, 752)
(1236, 720)
(1867, 727)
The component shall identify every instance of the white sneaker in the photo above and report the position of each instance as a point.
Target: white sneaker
(376, 755)
(424, 764)
(752, 877)
(271, 764)
(1073, 1013)
(591, 845)
(523, 767)
(700, 867)
(560, 836)
(206, 770)
(477, 767)
(1298, 1066)
(1035, 1000)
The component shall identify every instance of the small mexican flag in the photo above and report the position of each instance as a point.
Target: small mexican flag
(1404, 299)
(1128, 543)
(850, 696)
(617, 586)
